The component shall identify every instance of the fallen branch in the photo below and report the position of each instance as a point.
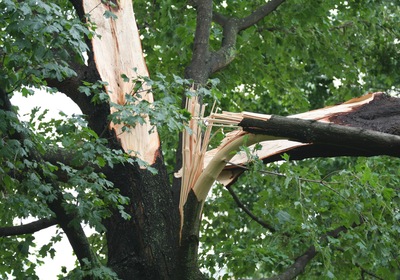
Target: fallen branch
(365, 126)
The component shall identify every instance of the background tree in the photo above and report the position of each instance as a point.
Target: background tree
(325, 217)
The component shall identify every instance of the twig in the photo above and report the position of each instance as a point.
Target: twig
(248, 212)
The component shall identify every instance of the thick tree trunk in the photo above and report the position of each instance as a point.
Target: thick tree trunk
(146, 246)
(143, 247)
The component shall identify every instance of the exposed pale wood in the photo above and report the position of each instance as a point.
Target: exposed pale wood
(117, 50)
(194, 147)
(217, 162)
(214, 168)
(273, 147)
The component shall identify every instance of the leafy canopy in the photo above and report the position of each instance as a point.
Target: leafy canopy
(285, 64)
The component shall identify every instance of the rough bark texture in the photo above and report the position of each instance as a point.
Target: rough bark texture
(189, 242)
(383, 115)
(143, 247)
(308, 131)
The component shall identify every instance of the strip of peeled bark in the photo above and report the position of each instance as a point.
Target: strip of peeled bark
(117, 51)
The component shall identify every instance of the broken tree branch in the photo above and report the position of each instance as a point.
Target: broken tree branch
(117, 53)
(362, 140)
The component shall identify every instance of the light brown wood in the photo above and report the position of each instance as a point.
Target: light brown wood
(272, 147)
(117, 50)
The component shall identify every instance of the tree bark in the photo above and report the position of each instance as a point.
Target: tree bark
(143, 247)
(363, 141)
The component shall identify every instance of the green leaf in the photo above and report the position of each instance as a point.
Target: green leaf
(108, 14)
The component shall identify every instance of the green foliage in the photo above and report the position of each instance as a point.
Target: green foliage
(164, 112)
(38, 40)
(99, 273)
(286, 63)
(303, 202)
(25, 180)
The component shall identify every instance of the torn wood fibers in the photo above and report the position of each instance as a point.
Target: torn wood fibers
(117, 50)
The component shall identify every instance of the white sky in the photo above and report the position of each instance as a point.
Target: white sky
(55, 103)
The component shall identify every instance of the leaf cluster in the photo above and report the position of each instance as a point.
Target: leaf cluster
(39, 159)
(302, 202)
(37, 41)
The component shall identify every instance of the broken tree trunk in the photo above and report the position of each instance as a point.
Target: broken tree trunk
(144, 246)
(117, 51)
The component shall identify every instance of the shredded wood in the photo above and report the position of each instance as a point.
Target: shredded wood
(196, 140)
(194, 147)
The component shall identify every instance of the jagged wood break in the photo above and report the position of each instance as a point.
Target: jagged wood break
(117, 50)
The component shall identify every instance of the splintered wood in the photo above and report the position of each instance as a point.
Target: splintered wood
(273, 147)
(201, 168)
(195, 141)
(117, 50)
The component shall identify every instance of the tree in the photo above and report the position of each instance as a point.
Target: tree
(324, 217)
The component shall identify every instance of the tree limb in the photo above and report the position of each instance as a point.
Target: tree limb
(298, 266)
(27, 228)
(259, 14)
(73, 230)
(70, 226)
(96, 113)
(364, 271)
(199, 67)
(78, 8)
(231, 27)
(301, 262)
(248, 212)
(362, 140)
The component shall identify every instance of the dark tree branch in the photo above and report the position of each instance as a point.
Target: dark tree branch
(364, 271)
(199, 67)
(301, 262)
(259, 14)
(227, 53)
(70, 226)
(231, 27)
(96, 113)
(361, 140)
(248, 212)
(55, 155)
(298, 266)
(73, 230)
(78, 5)
(27, 228)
